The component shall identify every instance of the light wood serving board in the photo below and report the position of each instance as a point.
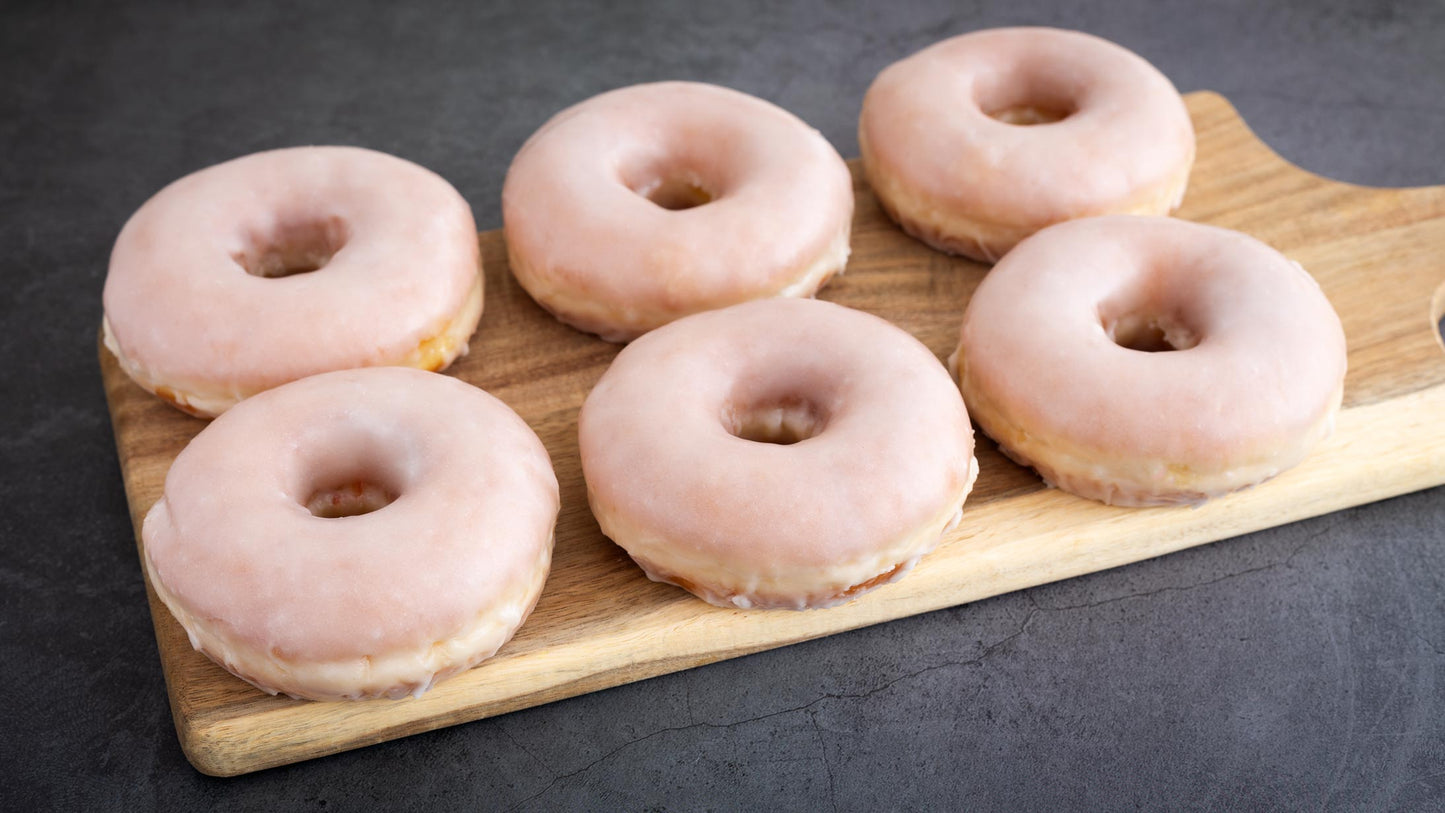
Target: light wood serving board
(1378, 253)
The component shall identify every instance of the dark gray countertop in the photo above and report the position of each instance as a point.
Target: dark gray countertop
(1301, 667)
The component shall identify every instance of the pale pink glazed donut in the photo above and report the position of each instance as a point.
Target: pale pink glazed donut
(782, 453)
(978, 141)
(651, 202)
(356, 534)
(284, 264)
(1147, 360)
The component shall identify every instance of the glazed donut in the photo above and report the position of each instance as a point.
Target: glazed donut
(978, 141)
(651, 202)
(1147, 361)
(356, 534)
(782, 453)
(284, 264)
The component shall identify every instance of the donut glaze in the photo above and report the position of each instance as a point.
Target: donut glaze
(206, 302)
(246, 550)
(978, 141)
(1146, 361)
(651, 202)
(686, 445)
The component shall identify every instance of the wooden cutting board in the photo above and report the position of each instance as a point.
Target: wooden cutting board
(1378, 253)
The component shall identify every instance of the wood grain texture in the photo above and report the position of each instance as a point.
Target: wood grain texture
(1379, 255)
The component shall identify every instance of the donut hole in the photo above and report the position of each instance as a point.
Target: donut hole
(347, 466)
(292, 246)
(676, 194)
(1023, 100)
(1024, 115)
(351, 498)
(670, 185)
(781, 421)
(1151, 333)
